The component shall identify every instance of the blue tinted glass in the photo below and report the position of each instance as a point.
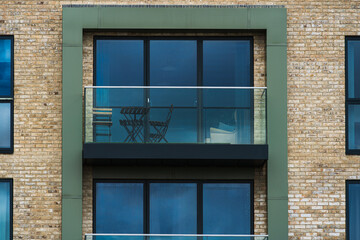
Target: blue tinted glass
(5, 67)
(173, 208)
(177, 97)
(119, 208)
(226, 63)
(5, 125)
(5, 210)
(353, 68)
(226, 208)
(182, 127)
(354, 211)
(240, 98)
(227, 125)
(354, 126)
(119, 62)
(173, 63)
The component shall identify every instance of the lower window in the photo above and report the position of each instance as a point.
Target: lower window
(181, 207)
(5, 209)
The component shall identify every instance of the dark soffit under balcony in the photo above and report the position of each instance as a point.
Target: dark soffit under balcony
(174, 154)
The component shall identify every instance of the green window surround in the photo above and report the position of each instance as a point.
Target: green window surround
(77, 18)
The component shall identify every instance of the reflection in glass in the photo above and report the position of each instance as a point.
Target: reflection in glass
(178, 97)
(173, 63)
(226, 208)
(229, 125)
(182, 126)
(354, 126)
(354, 210)
(4, 210)
(118, 63)
(119, 208)
(173, 208)
(190, 122)
(5, 125)
(5, 67)
(226, 63)
(353, 68)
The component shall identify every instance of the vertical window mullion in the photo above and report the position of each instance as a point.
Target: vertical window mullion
(146, 208)
(201, 126)
(199, 209)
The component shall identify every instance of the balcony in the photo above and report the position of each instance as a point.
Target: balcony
(174, 237)
(175, 123)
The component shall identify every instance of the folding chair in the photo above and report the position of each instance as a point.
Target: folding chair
(133, 123)
(102, 122)
(160, 128)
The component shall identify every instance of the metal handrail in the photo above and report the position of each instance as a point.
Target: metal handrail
(175, 87)
(173, 235)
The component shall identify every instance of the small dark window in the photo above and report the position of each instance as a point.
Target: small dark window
(352, 210)
(6, 93)
(6, 209)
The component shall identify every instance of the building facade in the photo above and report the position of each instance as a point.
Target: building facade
(297, 165)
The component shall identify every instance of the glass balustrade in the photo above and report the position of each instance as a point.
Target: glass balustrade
(203, 115)
(173, 237)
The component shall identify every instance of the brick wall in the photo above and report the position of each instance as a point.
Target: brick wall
(318, 166)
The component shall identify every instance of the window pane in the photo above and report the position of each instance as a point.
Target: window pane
(226, 208)
(173, 63)
(353, 69)
(173, 208)
(228, 125)
(5, 210)
(119, 208)
(182, 127)
(354, 126)
(354, 211)
(119, 62)
(5, 123)
(5, 67)
(226, 63)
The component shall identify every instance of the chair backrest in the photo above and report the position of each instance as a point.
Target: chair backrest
(102, 114)
(169, 115)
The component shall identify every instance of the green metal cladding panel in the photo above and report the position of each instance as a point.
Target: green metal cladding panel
(77, 18)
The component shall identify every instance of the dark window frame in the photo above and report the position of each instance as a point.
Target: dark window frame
(10, 98)
(10, 181)
(199, 47)
(199, 41)
(199, 183)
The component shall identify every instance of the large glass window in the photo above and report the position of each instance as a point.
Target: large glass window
(201, 116)
(353, 210)
(119, 207)
(353, 95)
(5, 209)
(6, 94)
(173, 207)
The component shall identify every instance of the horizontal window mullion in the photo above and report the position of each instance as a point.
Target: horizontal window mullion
(353, 100)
